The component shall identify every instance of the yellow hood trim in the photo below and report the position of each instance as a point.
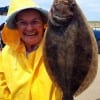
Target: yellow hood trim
(16, 5)
(11, 37)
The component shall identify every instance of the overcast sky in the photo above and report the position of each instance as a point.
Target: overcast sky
(90, 8)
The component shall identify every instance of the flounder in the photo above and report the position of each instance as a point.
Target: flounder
(70, 49)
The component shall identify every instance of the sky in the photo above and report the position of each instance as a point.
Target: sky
(90, 8)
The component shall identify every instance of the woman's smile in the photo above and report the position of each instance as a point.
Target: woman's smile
(30, 34)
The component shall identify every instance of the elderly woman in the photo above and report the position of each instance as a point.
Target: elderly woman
(22, 72)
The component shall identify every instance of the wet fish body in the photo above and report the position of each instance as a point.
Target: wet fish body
(70, 49)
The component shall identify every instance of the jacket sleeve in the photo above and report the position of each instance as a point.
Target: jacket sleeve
(4, 91)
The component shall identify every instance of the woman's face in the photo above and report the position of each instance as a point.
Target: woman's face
(30, 26)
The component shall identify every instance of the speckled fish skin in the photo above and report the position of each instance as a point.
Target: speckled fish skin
(70, 49)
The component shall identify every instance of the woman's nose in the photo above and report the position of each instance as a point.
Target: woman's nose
(29, 27)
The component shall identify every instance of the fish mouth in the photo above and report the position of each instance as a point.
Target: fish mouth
(63, 18)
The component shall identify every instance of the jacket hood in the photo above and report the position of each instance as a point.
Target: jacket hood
(11, 37)
(10, 34)
(17, 6)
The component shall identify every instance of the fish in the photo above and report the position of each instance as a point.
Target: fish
(70, 50)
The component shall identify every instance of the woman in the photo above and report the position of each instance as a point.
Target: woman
(22, 72)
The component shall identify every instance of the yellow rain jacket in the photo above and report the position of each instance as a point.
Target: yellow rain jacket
(24, 77)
